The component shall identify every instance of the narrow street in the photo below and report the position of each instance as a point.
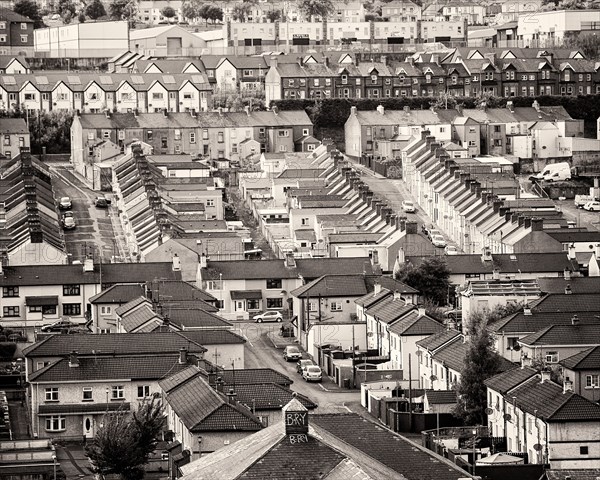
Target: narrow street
(95, 230)
(261, 353)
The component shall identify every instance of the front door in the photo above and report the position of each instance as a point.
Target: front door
(88, 426)
(239, 306)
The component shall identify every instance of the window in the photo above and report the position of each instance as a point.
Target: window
(336, 306)
(24, 38)
(23, 26)
(305, 221)
(10, 291)
(472, 143)
(220, 137)
(105, 133)
(177, 134)
(192, 137)
(29, 96)
(7, 140)
(511, 343)
(45, 309)
(149, 135)
(10, 311)
(118, 392)
(316, 82)
(273, 283)
(567, 76)
(283, 133)
(143, 391)
(305, 131)
(105, 310)
(40, 365)
(497, 142)
(56, 423)
(592, 381)
(87, 394)
(274, 302)
(583, 450)
(552, 357)
(2, 25)
(253, 304)
(71, 308)
(163, 142)
(71, 290)
(52, 394)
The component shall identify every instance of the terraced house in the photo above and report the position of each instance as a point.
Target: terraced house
(91, 92)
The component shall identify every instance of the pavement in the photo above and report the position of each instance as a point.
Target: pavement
(73, 462)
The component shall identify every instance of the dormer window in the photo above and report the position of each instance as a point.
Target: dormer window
(344, 79)
(373, 78)
(428, 78)
(567, 76)
(454, 79)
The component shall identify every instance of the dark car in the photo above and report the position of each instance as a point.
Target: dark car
(101, 202)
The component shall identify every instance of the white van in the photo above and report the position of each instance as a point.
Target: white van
(556, 172)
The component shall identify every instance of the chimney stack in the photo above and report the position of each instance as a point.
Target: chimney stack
(572, 252)
(203, 261)
(421, 311)
(525, 361)
(176, 263)
(567, 274)
(397, 295)
(182, 356)
(567, 385)
(380, 109)
(526, 310)
(295, 417)
(545, 375)
(219, 384)
(247, 110)
(575, 320)
(73, 360)
(231, 396)
(376, 288)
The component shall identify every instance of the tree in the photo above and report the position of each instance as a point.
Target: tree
(189, 10)
(51, 130)
(95, 10)
(124, 443)
(273, 15)
(588, 44)
(29, 9)
(317, 8)
(240, 11)
(168, 12)
(430, 278)
(122, 9)
(65, 6)
(480, 362)
(81, 17)
(215, 13)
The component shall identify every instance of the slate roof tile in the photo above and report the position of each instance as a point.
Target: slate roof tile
(413, 324)
(506, 381)
(564, 335)
(106, 368)
(586, 360)
(382, 445)
(119, 293)
(435, 341)
(333, 286)
(268, 396)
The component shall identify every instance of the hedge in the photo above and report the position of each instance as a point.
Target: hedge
(335, 112)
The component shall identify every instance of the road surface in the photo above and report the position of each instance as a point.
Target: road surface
(261, 353)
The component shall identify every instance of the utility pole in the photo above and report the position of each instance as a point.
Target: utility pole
(410, 417)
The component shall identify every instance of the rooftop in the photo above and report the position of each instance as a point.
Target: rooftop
(504, 382)
(333, 286)
(585, 334)
(587, 360)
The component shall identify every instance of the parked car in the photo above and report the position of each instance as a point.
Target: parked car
(451, 250)
(291, 352)
(65, 203)
(302, 364)
(433, 231)
(68, 221)
(438, 241)
(581, 200)
(268, 316)
(101, 202)
(408, 206)
(592, 206)
(312, 374)
(58, 326)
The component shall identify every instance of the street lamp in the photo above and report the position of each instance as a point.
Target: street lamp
(474, 453)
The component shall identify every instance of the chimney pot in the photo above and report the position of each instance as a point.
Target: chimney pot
(575, 320)
(182, 356)
(73, 360)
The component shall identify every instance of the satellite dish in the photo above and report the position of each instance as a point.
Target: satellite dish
(537, 447)
(507, 417)
(489, 411)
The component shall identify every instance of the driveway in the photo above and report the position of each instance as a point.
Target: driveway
(73, 462)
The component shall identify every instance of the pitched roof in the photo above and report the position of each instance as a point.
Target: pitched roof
(194, 318)
(253, 376)
(521, 323)
(415, 324)
(570, 237)
(573, 474)
(585, 334)
(577, 284)
(267, 396)
(201, 408)
(504, 382)
(390, 309)
(557, 302)
(435, 341)
(139, 317)
(73, 274)
(395, 452)
(113, 344)
(129, 367)
(372, 297)
(441, 397)
(311, 268)
(213, 337)
(587, 360)
(548, 401)
(119, 293)
(333, 286)
(131, 304)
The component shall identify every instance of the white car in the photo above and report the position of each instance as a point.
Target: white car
(312, 374)
(408, 206)
(451, 250)
(268, 316)
(592, 206)
(438, 241)
(64, 203)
